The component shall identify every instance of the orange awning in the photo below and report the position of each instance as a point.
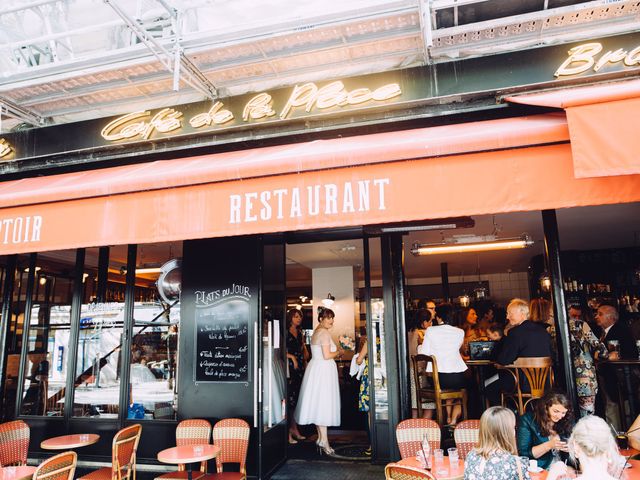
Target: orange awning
(316, 155)
(154, 202)
(602, 123)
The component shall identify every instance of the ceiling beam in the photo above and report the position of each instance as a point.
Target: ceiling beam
(172, 61)
(16, 111)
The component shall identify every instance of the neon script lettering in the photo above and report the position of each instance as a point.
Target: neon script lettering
(585, 57)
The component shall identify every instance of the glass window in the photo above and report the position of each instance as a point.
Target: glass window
(97, 375)
(14, 334)
(154, 345)
(45, 372)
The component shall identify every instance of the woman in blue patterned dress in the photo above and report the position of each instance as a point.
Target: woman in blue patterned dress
(585, 346)
(496, 457)
(363, 393)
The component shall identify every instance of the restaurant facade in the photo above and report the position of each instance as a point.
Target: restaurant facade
(154, 243)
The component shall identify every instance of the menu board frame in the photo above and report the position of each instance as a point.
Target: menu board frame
(221, 335)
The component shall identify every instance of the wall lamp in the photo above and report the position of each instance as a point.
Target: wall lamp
(472, 244)
(328, 302)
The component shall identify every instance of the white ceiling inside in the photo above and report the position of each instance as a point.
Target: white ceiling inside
(584, 228)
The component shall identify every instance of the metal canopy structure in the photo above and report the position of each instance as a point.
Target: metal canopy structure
(69, 60)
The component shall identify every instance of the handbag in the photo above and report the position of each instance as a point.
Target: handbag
(135, 411)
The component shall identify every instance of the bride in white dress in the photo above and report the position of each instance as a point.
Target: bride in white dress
(319, 400)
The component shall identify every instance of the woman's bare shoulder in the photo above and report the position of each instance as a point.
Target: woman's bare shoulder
(321, 336)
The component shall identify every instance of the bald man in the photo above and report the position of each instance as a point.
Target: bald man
(607, 319)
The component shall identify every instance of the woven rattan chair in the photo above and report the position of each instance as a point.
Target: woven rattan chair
(58, 467)
(394, 471)
(538, 373)
(428, 387)
(123, 456)
(232, 436)
(190, 432)
(14, 443)
(410, 432)
(466, 436)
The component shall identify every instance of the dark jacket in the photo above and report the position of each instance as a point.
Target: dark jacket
(528, 437)
(621, 332)
(528, 339)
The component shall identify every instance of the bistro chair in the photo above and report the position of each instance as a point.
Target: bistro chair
(58, 467)
(538, 374)
(232, 436)
(410, 432)
(14, 443)
(428, 387)
(190, 432)
(395, 471)
(466, 435)
(123, 456)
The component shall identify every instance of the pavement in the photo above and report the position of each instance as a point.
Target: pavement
(328, 470)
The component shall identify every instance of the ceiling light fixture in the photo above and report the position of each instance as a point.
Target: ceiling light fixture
(440, 224)
(471, 243)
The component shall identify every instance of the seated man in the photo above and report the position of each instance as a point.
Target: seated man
(525, 339)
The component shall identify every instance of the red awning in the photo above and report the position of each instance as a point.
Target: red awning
(602, 123)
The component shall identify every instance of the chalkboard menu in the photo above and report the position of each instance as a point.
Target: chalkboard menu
(222, 335)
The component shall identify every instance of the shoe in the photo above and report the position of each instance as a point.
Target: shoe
(325, 448)
(297, 436)
(368, 452)
(292, 441)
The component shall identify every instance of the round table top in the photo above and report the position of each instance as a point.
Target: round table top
(66, 442)
(188, 453)
(17, 473)
(443, 471)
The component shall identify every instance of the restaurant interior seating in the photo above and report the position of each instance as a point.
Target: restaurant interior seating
(123, 456)
(58, 467)
(394, 471)
(410, 432)
(14, 443)
(232, 436)
(190, 432)
(466, 436)
(538, 372)
(428, 387)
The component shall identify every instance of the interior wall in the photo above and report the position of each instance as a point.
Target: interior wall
(340, 282)
(502, 286)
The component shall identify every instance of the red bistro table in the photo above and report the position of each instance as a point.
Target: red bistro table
(188, 454)
(17, 473)
(69, 442)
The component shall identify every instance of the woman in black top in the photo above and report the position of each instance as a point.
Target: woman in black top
(296, 358)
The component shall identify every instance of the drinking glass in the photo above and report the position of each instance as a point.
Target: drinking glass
(438, 455)
(622, 440)
(613, 346)
(421, 459)
(453, 456)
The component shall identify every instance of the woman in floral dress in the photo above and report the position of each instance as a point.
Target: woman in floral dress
(496, 456)
(584, 346)
(363, 393)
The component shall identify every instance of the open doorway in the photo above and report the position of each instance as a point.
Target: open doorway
(330, 275)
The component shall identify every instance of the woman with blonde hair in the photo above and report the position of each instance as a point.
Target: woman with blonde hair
(593, 445)
(496, 457)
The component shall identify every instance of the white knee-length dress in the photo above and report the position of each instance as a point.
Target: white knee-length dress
(319, 400)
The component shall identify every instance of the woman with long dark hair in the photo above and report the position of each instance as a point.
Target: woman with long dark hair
(543, 433)
(297, 356)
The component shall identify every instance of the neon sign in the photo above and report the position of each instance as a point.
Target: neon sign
(584, 57)
(5, 148)
(307, 98)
